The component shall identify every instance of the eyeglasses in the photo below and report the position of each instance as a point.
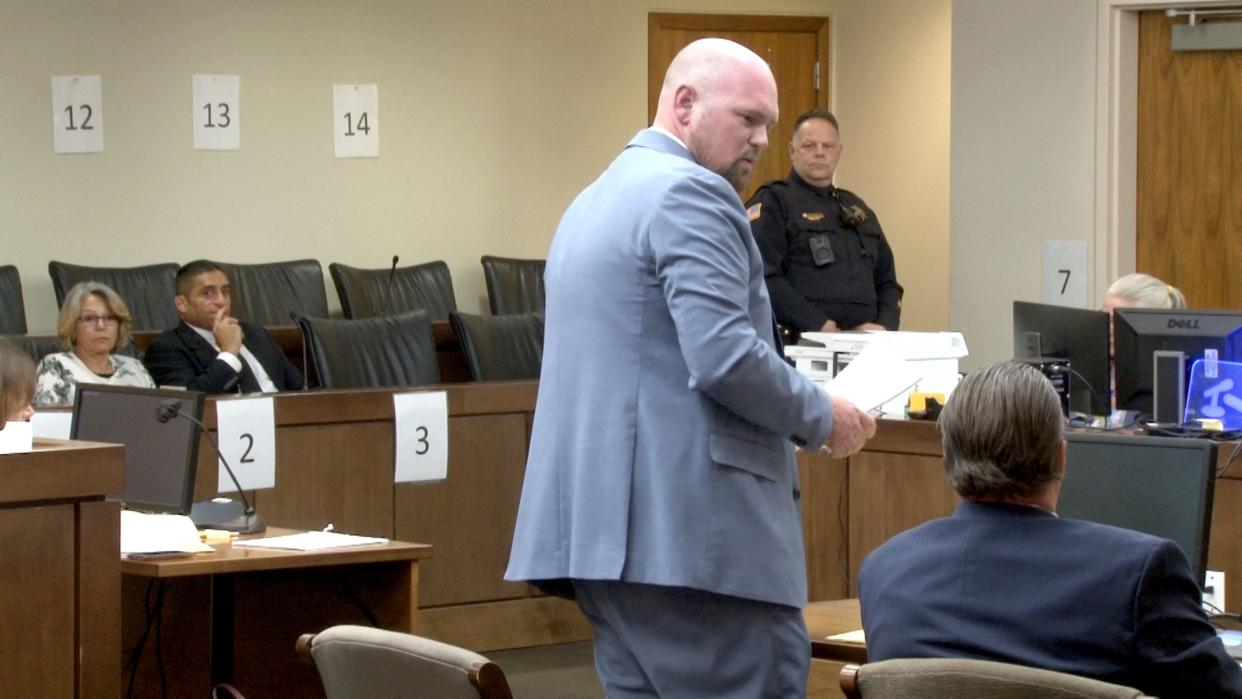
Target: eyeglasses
(89, 319)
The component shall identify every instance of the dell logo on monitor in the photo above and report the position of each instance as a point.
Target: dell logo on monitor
(1183, 323)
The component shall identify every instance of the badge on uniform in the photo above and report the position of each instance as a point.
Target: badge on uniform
(753, 212)
(813, 215)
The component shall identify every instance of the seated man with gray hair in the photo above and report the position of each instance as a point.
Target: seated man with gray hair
(1005, 579)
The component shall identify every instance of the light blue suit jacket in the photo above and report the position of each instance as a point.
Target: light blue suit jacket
(663, 442)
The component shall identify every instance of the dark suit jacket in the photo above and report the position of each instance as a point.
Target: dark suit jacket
(180, 357)
(1016, 584)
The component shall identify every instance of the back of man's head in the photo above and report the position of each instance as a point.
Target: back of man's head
(1001, 431)
(190, 270)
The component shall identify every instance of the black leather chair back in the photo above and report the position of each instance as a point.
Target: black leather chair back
(500, 348)
(396, 350)
(12, 305)
(37, 346)
(147, 290)
(268, 293)
(366, 293)
(513, 286)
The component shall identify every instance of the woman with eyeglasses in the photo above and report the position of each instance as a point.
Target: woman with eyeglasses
(94, 322)
(17, 374)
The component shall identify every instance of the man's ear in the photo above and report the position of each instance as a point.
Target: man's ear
(683, 103)
(1061, 458)
(181, 303)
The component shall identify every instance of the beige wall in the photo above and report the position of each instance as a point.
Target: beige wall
(1023, 155)
(892, 97)
(494, 115)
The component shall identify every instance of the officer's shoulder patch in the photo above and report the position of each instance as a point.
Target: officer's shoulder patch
(755, 211)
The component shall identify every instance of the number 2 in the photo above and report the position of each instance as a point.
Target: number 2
(245, 457)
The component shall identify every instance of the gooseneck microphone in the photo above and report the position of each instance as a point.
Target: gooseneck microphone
(247, 522)
(392, 273)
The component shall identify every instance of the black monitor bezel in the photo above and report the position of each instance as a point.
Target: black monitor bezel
(1083, 332)
(1134, 369)
(198, 399)
(1203, 530)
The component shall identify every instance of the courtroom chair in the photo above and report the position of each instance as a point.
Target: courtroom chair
(359, 662)
(147, 290)
(396, 350)
(366, 293)
(961, 678)
(37, 346)
(271, 293)
(12, 306)
(513, 286)
(500, 348)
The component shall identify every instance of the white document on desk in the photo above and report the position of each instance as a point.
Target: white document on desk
(309, 541)
(154, 533)
(877, 375)
(16, 438)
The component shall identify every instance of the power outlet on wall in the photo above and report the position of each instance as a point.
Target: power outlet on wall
(1214, 592)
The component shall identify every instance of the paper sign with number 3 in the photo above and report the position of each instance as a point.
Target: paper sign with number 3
(422, 436)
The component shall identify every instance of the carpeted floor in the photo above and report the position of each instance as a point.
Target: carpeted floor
(550, 672)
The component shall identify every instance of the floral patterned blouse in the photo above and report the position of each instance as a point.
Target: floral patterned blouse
(58, 375)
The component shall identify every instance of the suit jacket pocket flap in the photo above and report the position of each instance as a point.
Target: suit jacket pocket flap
(763, 459)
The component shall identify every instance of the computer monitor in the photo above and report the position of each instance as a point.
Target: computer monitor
(1155, 485)
(1139, 332)
(1078, 335)
(160, 457)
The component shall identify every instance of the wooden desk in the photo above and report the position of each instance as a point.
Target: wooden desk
(59, 574)
(235, 614)
(827, 657)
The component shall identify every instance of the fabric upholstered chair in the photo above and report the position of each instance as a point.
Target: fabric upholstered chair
(500, 348)
(12, 305)
(366, 293)
(358, 662)
(396, 350)
(513, 286)
(959, 678)
(271, 293)
(147, 290)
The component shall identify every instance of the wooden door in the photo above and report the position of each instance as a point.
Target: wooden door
(795, 47)
(1189, 194)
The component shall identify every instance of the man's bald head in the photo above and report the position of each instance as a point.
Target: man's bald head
(719, 97)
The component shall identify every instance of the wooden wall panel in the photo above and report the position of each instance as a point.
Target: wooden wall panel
(824, 484)
(1189, 217)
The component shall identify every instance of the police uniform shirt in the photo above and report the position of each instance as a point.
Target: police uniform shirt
(824, 255)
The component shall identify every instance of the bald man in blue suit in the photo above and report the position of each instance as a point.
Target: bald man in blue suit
(661, 487)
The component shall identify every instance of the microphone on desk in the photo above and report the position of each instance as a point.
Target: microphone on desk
(213, 514)
(392, 273)
(293, 315)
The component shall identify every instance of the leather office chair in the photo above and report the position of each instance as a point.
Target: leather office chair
(358, 662)
(12, 305)
(397, 350)
(366, 293)
(500, 348)
(959, 678)
(271, 293)
(38, 346)
(147, 290)
(513, 286)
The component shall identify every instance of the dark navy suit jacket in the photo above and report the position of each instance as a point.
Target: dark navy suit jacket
(1017, 584)
(180, 357)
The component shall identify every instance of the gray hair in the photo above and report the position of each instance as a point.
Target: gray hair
(1001, 431)
(71, 310)
(1145, 291)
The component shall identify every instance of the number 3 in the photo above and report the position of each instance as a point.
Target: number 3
(424, 445)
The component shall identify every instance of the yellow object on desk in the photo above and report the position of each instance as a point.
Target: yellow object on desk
(215, 536)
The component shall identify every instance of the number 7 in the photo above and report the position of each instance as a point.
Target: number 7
(1064, 283)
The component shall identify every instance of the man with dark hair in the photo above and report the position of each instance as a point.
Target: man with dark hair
(211, 351)
(825, 259)
(1005, 579)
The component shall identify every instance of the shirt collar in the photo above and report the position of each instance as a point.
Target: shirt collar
(666, 132)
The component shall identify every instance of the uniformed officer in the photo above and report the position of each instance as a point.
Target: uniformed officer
(826, 261)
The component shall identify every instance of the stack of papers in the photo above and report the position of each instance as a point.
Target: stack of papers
(151, 533)
(309, 541)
